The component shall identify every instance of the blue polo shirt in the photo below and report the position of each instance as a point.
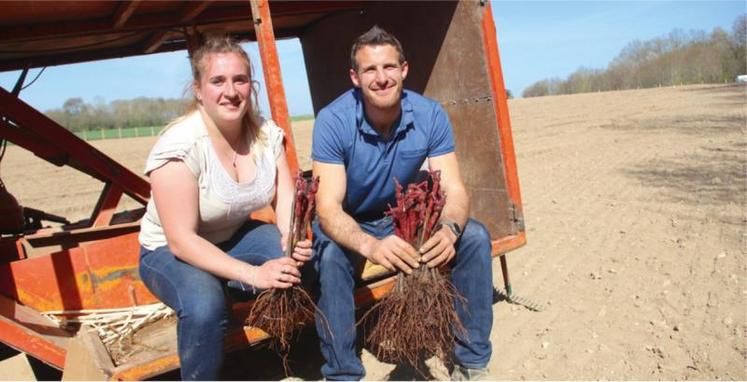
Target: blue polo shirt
(342, 135)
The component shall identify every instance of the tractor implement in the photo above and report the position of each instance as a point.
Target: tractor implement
(61, 279)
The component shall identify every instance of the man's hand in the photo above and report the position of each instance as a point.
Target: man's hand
(302, 252)
(439, 249)
(394, 253)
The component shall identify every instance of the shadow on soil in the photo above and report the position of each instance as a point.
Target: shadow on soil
(714, 175)
(729, 93)
(703, 124)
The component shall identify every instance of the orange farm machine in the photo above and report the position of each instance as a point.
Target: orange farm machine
(53, 271)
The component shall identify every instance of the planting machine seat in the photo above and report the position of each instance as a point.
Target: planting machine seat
(90, 267)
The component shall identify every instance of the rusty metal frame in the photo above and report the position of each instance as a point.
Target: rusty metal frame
(273, 79)
(500, 101)
(25, 280)
(23, 335)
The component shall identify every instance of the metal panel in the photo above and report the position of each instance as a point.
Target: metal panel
(92, 275)
(478, 148)
(459, 80)
(327, 43)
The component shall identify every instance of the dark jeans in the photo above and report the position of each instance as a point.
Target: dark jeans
(471, 274)
(199, 298)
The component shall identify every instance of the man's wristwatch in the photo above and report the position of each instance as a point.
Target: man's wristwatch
(453, 226)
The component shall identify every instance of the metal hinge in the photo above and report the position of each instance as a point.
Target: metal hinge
(516, 217)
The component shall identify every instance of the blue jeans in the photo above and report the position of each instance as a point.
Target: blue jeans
(199, 298)
(471, 275)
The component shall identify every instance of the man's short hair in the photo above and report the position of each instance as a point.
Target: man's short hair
(375, 36)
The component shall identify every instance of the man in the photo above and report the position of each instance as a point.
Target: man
(363, 140)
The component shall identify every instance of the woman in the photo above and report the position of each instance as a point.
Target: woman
(209, 170)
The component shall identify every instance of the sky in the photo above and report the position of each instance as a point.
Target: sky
(536, 39)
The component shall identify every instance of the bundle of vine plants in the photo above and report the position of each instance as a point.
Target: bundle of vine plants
(418, 319)
(281, 312)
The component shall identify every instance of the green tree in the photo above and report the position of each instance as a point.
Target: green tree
(675, 59)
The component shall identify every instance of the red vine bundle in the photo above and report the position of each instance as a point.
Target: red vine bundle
(280, 312)
(418, 318)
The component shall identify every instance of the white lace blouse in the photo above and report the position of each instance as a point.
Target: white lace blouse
(224, 204)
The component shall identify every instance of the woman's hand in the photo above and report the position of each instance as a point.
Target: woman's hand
(278, 273)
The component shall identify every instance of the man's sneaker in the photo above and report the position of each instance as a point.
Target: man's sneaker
(462, 373)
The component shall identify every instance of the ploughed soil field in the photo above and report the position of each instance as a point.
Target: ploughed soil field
(634, 203)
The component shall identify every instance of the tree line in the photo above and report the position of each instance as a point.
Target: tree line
(680, 58)
(77, 115)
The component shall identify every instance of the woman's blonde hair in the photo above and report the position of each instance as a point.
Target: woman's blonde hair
(216, 44)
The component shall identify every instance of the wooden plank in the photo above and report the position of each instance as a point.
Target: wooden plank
(87, 359)
(16, 368)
